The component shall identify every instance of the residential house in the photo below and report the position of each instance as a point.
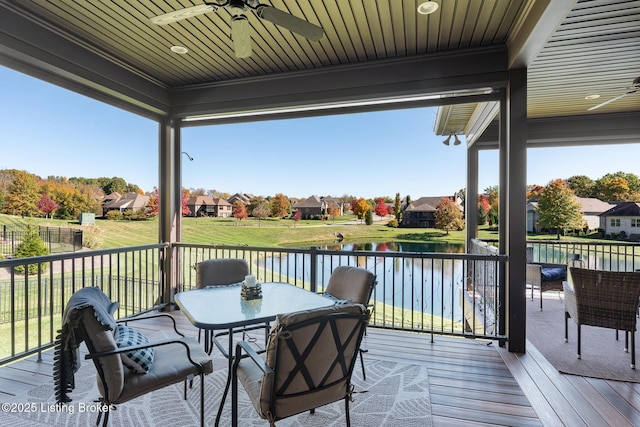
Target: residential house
(316, 207)
(130, 201)
(200, 206)
(222, 208)
(209, 206)
(421, 212)
(107, 200)
(622, 218)
(590, 207)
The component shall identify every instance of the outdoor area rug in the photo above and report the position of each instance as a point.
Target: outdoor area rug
(394, 394)
(602, 356)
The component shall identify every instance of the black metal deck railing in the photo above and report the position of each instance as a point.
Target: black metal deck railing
(439, 293)
(614, 256)
(31, 305)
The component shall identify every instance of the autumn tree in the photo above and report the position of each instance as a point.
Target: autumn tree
(360, 207)
(533, 191)
(198, 192)
(258, 200)
(153, 206)
(261, 211)
(297, 217)
(333, 211)
(46, 205)
(239, 211)
(185, 208)
(483, 209)
(613, 187)
(558, 209)
(448, 215)
(280, 206)
(381, 207)
(22, 195)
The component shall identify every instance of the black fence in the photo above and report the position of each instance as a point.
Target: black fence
(57, 239)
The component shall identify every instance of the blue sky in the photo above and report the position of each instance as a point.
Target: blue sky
(48, 130)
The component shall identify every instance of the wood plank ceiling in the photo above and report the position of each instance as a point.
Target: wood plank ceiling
(594, 51)
(355, 31)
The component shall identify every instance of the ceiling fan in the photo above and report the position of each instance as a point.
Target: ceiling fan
(634, 88)
(240, 24)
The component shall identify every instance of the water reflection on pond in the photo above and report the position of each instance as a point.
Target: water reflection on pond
(427, 285)
(438, 247)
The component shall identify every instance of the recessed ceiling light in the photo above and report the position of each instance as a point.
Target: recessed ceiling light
(594, 96)
(427, 7)
(179, 49)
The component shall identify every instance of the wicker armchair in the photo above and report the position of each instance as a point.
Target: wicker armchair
(606, 299)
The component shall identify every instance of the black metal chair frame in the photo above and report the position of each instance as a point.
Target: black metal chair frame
(301, 356)
(104, 401)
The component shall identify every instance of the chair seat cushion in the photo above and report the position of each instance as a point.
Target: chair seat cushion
(553, 274)
(170, 365)
(139, 361)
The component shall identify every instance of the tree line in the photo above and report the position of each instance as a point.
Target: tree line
(26, 194)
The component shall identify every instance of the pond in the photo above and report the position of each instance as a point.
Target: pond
(412, 247)
(426, 285)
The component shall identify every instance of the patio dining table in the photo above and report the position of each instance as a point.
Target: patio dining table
(216, 308)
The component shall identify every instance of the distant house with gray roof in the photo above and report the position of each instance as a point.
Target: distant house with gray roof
(590, 208)
(623, 217)
(316, 206)
(420, 213)
(130, 201)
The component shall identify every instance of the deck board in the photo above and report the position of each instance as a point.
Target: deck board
(472, 382)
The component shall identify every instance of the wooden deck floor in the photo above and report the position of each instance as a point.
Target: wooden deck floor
(472, 382)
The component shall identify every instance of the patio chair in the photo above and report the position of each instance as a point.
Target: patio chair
(221, 272)
(352, 284)
(127, 364)
(308, 363)
(544, 276)
(607, 299)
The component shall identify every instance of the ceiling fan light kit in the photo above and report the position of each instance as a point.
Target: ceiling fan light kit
(240, 27)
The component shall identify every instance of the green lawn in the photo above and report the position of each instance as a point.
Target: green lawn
(268, 232)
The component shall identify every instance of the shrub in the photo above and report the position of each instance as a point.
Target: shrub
(114, 215)
(32, 245)
(92, 237)
(368, 217)
(392, 223)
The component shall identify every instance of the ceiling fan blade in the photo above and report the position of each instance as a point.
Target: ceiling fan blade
(178, 15)
(609, 101)
(240, 36)
(290, 22)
